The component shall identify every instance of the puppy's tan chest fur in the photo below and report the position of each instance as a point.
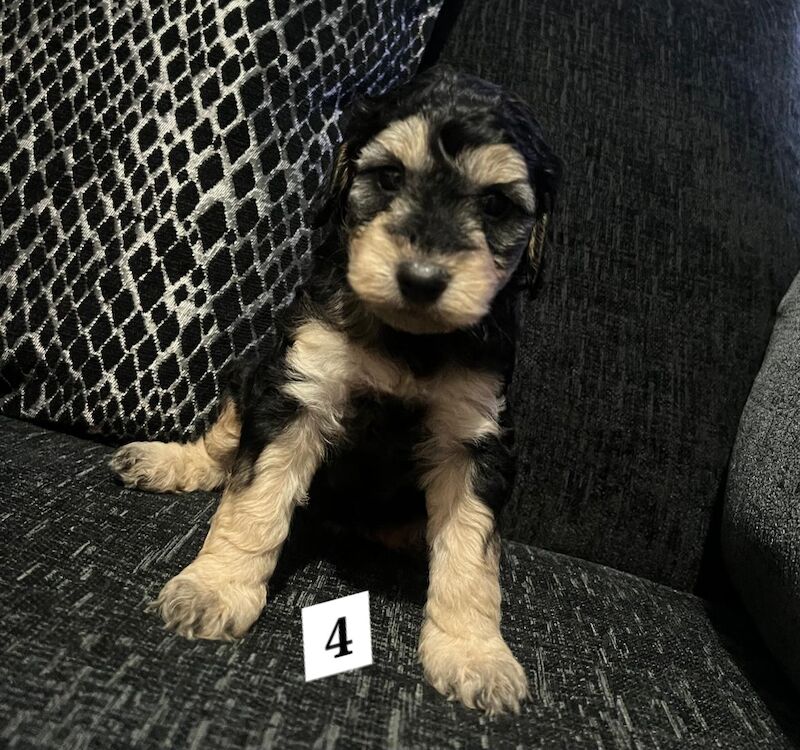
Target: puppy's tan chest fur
(327, 369)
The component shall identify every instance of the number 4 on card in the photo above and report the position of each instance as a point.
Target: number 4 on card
(337, 636)
(342, 643)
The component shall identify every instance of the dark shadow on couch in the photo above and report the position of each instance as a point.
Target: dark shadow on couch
(739, 637)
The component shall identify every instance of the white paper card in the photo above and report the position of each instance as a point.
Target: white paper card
(337, 636)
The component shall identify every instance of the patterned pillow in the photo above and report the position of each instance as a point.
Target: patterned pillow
(157, 162)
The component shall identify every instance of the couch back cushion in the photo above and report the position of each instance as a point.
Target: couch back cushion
(676, 235)
(157, 161)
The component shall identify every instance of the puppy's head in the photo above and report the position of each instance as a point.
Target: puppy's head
(443, 188)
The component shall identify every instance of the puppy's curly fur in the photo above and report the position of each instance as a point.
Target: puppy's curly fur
(383, 397)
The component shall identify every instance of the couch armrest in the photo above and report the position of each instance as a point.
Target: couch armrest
(761, 524)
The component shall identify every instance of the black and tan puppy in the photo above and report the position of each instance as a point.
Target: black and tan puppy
(383, 401)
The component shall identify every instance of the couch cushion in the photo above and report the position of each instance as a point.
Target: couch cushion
(675, 238)
(157, 160)
(613, 660)
(761, 525)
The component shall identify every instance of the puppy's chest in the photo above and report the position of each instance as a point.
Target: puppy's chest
(370, 478)
(423, 356)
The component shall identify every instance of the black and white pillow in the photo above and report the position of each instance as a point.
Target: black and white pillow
(157, 162)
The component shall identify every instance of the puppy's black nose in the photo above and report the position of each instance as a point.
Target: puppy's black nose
(421, 282)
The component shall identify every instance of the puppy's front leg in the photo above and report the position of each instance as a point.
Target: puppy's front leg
(223, 591)
(461, 649)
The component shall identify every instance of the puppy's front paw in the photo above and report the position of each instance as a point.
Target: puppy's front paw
(480, 672)
(196, 605)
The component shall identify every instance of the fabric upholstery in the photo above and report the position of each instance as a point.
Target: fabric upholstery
(614, 661)
(157, 161)
(676, 234)
(761, 526)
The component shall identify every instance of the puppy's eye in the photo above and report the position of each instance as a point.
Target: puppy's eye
(495, 205)
(390, 179)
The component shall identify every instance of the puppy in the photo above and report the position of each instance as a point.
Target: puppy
(383, 398)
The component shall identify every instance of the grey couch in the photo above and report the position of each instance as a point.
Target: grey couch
(650, 572)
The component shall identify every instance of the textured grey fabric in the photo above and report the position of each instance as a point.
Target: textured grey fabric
(761, 524)
(676, 234)
(614, 661)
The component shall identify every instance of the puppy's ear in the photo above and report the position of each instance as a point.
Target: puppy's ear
(546, 177)
(333, 192)
(361, 120)
(544, 168)
(535, 249)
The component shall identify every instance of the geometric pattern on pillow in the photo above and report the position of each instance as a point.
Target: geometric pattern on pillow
(157, 164)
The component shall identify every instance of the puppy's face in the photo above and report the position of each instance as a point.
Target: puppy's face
(441, 186)
(437, 223)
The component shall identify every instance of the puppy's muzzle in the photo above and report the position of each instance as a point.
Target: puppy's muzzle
(421, 282)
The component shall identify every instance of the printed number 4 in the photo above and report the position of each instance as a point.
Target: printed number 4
(342, 643)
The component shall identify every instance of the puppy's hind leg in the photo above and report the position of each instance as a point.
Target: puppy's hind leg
(203, 464)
